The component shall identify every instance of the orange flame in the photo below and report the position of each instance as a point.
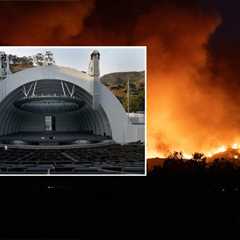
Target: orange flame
(189, 108)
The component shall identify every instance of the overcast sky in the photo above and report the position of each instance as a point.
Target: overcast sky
(112, 59)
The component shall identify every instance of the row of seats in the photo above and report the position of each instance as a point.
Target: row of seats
(110, 159)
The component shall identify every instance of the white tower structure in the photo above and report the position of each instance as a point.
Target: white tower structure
(93, 69)
(94, 72)
(76, 100)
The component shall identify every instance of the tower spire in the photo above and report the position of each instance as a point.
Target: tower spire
(93, 69)
(94, 72)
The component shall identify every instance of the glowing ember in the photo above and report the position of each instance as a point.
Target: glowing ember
(187, 156)
(221, 149)
(235, 146)
(209, 154)
(155, 154)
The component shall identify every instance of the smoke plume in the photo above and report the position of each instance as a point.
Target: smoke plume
(192, 92)
(43, 23)
(191, 107)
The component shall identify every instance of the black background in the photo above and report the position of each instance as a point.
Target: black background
(74, 206)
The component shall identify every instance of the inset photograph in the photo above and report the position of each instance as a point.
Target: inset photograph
(72, 110)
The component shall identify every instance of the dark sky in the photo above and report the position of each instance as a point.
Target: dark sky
(114, 16)
(228, 33)
(229, 11)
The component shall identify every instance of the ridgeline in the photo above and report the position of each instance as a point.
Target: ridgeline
(118, 83)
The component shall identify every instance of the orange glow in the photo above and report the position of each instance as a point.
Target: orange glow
(189, 109)
(231, 151)
(235, 146)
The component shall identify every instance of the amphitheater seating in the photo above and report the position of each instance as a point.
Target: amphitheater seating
(104, 160)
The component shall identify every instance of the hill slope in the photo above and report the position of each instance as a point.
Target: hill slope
(117, 83)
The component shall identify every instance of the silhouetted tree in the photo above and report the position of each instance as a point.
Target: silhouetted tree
(175, 155)
(198, 156)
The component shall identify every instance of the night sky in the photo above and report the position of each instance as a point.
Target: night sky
(98, 16)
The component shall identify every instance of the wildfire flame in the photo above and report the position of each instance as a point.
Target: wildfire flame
(208, 154)
(190, 107)
(192, 102)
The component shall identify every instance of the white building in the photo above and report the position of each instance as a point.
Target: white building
(76, 100)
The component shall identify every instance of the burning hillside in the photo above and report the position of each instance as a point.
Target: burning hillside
(192, 80)
(219, 155)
